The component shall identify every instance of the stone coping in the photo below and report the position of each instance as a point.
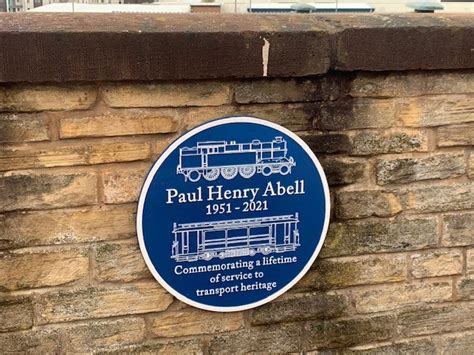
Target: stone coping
(143, 47)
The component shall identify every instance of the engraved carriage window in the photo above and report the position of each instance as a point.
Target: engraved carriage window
(259, 231)
(237, 233)
(215, 235)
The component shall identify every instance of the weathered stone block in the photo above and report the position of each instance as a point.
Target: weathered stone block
(465, 287)
(16, 313)
(372, 236)
(400, 84)
(168, 95)
(441, 198)
(34, 341)
(355, 114)
(160, 144)
(75, 338)
(32, 190)
(193, 346)
(295, 117)
(432, 319)
(343, 171)
(470, 172)
(95, 335)
(119, 123)
(352, 271)
(360, 204)
(41, 268)
(277, 90)
(456, 135)
(388, 141)
(412, 347)
(20, 229)
(16, 128)
(72, 154)
(406, 170)
(436, 111)
(28, 98)
(328, 143)
(281, 338)
(436, 263)
(101, 301)
(458, 229)
(300, 307)
(389, 297)
(460, 343)
(349, 332)
(123, 185)
(470, 261)
(194, 116)
(120, 261)
(192, 321)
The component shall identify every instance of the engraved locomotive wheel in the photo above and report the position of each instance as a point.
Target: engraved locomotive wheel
(194, 175)
(247, 171)
(229, 173)
(284, 170)
(207, 256)
(211, 174)
(267, 171)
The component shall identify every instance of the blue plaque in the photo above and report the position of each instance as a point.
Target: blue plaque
(233, 214)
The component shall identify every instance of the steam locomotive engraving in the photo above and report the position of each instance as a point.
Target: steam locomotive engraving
(229, 159)
(233, 238)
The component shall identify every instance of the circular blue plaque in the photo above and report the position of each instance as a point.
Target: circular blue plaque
(233, 214)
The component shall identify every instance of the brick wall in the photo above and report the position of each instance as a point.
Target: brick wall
(396, 273)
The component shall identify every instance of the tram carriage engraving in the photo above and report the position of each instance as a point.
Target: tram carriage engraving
(233, 238)
(228, 159)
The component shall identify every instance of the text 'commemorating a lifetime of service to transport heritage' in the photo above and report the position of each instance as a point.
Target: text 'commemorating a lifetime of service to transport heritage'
(233, 214)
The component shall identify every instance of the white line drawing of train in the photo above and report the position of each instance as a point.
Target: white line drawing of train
(228, 159)
(233, 238)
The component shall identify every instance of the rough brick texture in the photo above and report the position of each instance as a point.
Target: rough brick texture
(22, 229)
(167, 95)
(119, 261)
(123, 185)
(351, 271)
(83, 154)
(404, 170)
(16, 313)
(117, 123)
(102, 301)
(456, 135)
(458, 229)
(192, 321)
(396, 272)
(45, 267)
(19, 128)
(46, 98)
(437, 263)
